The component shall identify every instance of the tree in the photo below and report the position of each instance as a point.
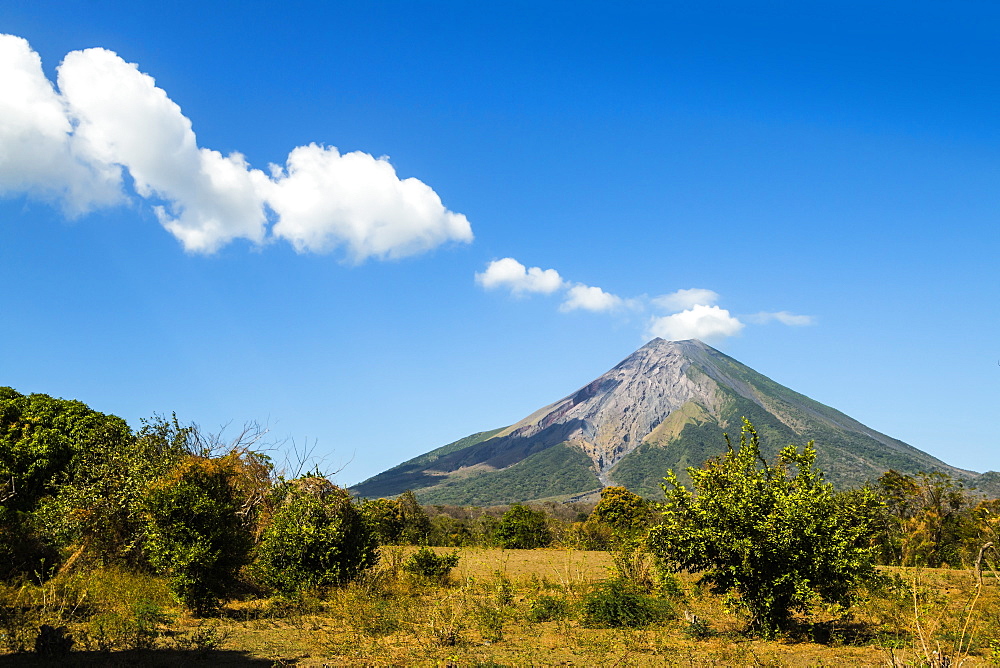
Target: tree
(39, 437)
(399, 521)
(626, 513)
(928, 520)
(522, 528)
(416, 523)
(96, 503)
(44, 442)
(775, 539)
(385, 518)
(199, 524)
(316, 538)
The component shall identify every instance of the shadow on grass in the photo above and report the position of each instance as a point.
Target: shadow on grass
(141, 658)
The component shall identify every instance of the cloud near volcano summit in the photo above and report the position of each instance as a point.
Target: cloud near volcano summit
(689, 313)
(74, 143)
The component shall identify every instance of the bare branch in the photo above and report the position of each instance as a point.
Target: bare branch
(8, 492)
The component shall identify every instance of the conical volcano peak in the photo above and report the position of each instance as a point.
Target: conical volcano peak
(693, 348)
(682, 344)
(663, 407)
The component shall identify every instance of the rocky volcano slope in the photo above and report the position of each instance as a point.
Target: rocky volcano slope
(664, 407)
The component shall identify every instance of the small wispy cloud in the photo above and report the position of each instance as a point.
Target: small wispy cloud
(784, 317)
(507, 273)
(688, 313)
(75, 143)
(685, 299)
(510, 274)
(589, 298)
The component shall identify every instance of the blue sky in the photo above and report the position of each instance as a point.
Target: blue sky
(477, 208)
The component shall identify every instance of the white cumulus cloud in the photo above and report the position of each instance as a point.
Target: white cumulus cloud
(73, 144)
(511, 274)
(39, 153)
(589, 298)
(684, 299)
(708, 323)
(324, 199)
(204, 198)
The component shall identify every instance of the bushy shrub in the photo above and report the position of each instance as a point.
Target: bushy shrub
(97, 501)
(522, 528)
(385, 518)
(547, 608)
(137, 628)
(427, 564)
(316, 538)
(627, 514)
(617, 604)
(489, 617)
(198, 529)
(776, 536)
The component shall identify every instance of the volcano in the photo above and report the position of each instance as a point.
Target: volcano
(665, 406)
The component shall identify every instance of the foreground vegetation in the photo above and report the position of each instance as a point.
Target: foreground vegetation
(502, 608)
(166, 545)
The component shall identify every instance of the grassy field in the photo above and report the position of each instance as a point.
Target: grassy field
(500, 608)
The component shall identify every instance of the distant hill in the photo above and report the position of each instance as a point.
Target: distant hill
(663, 407)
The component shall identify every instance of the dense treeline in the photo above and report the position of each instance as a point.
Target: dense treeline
(213, 518)
(80, 484)
(79, 488)
(926, 519)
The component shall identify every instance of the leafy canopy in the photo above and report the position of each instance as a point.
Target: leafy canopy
(774, 538)
(627, 513)
(315, 539)
(522, 528)
(39, 437)
(428, 564)
(198, 530)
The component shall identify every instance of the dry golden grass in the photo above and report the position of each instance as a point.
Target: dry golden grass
(560, 566)
(483, 618)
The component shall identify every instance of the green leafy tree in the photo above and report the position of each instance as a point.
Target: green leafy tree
(775, 539)
(416, 522)
(928, 520)
(43, 443)
(627, 514)
(199, 527)
(316, 538)
(522, 528)
(39, 436)
(449, 531)
(97, 500)
(385, 518)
